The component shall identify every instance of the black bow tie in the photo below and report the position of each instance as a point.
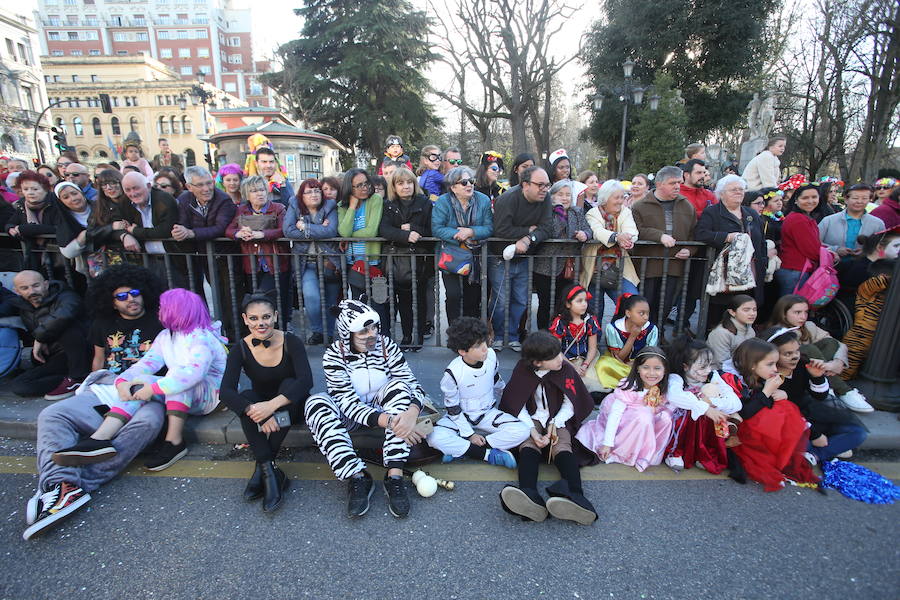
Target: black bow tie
(257, 342)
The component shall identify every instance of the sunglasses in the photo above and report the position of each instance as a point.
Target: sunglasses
(165, 185)
(494, 168)
(541, 186)
(454, 161)
(74, 175)
(123, 296)
(881, 187)
(433, 156)
(466, 182)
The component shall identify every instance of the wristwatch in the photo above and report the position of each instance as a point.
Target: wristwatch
(613, 238)
(532, 237)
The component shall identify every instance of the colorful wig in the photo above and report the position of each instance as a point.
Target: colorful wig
(229, 169)
(254, 143)
(183, 311)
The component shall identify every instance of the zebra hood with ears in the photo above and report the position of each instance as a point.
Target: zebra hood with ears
(354, 316)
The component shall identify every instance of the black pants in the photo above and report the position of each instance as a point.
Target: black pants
(264, 446)
(653, 294)
(404, 302)
(547, 304)
(70, 355)
(458, 289)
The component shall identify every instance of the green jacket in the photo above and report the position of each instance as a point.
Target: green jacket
(374, 207)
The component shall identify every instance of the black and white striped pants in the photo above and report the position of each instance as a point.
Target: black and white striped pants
(331, 429)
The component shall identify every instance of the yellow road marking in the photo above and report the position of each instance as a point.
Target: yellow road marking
(454, 472)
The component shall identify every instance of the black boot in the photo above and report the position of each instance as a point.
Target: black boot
(274, 483)
(735, 468)
(254, 489)
(567, 500)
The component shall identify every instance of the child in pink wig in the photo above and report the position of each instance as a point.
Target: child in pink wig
(194, 354)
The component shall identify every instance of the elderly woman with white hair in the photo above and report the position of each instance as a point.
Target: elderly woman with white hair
(612, 224)
(551, 258)
(719, 226)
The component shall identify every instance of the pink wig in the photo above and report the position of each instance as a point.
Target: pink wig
(183, 311)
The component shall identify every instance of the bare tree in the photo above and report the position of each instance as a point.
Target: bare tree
(506, 44)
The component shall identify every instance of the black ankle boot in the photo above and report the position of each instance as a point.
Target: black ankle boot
(254, 489)
(274, 483)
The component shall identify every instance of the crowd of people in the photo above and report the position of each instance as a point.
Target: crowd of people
(767, 396)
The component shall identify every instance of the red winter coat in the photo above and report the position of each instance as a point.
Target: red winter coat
(799, 241)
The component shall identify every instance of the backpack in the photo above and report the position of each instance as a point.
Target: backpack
(822, 285)
(10, 347)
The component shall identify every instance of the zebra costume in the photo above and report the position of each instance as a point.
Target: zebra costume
(361, 385)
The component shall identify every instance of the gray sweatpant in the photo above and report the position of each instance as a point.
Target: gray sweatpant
(64, 423)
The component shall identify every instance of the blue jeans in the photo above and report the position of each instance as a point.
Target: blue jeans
(841, 438)
(596, 305)
(312, 299)
(788, 279)
(513, 288)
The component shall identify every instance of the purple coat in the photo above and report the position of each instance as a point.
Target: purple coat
(218, 216)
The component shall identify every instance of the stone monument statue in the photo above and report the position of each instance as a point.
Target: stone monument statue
(760, 118)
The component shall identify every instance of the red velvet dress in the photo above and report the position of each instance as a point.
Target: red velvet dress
(774, 435)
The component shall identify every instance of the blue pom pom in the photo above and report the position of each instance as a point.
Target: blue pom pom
(859, 483)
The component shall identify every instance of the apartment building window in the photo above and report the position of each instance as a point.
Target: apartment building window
(127, 101)
(72, 35)
(50, 2)
(27, 98)
(75, 53)
(115, 101)
(134, 101)
(159, 100)
(168, 100)
(256, 88)
(165, 53)
(142, 36)
(173, 121)
(202, 34)
(121, 52)
(95, 124)
(186, 71)
(234, 41)
(182, 34)
(116, 21)
(120, 36)
(162, 126)
(56, 53)
(185, 124)
(78, 126)
(184, 53)
(203, 52)
(54, 20)
(163, 34)
(74, 78)
(204, 69)
(95, 79)
(90, 35)
(115, 126)
(230, 87)
(47, 79)
(94, 53)
(53, 36)
(89, 2)
(235, 59)
(71, 2)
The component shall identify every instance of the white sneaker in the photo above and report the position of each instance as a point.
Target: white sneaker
(856, 402)
(845, 455)
(810, 458)
(676, 463)
(33, 508)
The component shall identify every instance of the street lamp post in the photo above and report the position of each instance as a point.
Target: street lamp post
(630, 92)
(199, 95)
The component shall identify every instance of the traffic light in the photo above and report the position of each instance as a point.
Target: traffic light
(105, 104)
(59, 136)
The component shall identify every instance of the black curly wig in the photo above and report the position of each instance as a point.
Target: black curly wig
(100, 292)
(466, 332)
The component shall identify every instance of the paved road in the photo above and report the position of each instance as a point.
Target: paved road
(185, 534)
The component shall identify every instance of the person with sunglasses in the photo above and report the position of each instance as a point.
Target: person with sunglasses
(78, 174)
(452, 159)
(883, 188)
(431, 179)
(523, 214)
(487, 174)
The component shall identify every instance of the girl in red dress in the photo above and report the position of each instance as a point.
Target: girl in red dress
(773, 435)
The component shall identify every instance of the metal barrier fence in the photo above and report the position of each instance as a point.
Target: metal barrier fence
(216, 271)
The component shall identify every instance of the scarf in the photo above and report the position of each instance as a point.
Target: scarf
(611, 254)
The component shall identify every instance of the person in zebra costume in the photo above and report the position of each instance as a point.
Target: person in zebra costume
(369, 384)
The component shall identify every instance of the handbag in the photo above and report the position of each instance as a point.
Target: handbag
(608, 274)
(258, 222)
(822, 285)
(569, 269)
(101, 260)
(455, 259)
(401, 267)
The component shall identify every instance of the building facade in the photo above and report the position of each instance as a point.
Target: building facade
(208, 36)
(22, 93)
(146, 96)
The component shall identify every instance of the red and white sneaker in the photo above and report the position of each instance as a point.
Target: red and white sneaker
(66, 389)
(59, 502)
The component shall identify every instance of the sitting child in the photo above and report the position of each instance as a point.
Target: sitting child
(635, 421)
(548, 396)
(835, 431)
(701, 417)
(473, 426)
(629, 331)
(194, 353)
(577, 332)
(736, 326)
(773, 435)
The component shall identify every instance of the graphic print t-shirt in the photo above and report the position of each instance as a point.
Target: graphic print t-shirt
(124, 341)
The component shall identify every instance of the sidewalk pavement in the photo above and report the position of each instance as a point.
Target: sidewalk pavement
(18, 416)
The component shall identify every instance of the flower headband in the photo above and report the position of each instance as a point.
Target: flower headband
(832, 180)
(773, 194)
(780, 332)
(886, 182)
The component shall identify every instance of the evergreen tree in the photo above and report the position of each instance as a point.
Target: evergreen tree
(659, 138)
(355, 72)
(714, 51)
